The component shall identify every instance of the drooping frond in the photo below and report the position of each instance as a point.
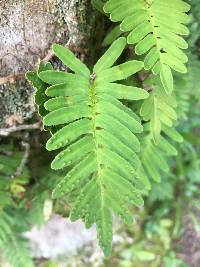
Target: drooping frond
(6, 223)
(154, 157)
(40, 86)
(97, 138)
(159, 111)
(187, 88)
(192, 79)
(158, 108)
(155, 27)
(12, 183)
(13, 245)
(183, 97)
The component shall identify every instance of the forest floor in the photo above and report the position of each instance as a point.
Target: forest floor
(61, 237)
(188, 247)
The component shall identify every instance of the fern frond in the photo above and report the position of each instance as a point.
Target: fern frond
(187, 88)
(6, 223)
(192, 79)
(153, 35)
(158, 194)
(17, 252)
(154, 157)
(98, 135)
(40, 97)
(159, 108)
(159, 111)
(12, 244)
(183, 97)
(40, 86)
(9, 160)
(11, 183)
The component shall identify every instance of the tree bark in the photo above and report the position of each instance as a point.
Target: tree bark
(27, 30)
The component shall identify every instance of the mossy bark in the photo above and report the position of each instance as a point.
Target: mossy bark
(27, 30)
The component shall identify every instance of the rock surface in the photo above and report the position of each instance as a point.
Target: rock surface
(27, 30)
(60, 237)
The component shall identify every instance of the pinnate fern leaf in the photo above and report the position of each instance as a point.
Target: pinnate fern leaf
(159, 111)
(97, 137)
(13, 245)
(154, 157)
(159, 108)
(155, 27)
(40, 97)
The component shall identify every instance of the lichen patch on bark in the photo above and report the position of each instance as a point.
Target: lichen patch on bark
(28, 28)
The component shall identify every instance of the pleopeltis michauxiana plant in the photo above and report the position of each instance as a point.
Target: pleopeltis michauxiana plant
(155, 28)
(96, 132)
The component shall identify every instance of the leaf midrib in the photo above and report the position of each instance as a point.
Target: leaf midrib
(93, 98)
(151, 21)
